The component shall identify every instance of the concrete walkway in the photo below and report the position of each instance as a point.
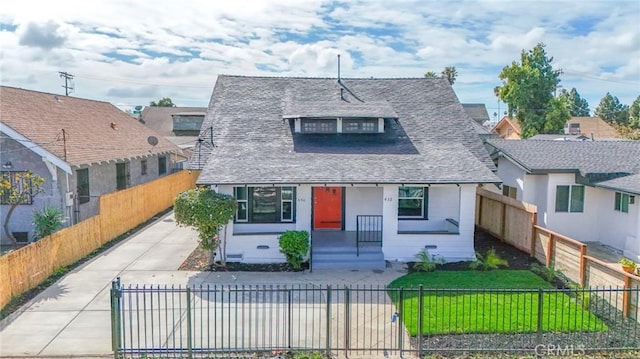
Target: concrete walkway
(72, 317)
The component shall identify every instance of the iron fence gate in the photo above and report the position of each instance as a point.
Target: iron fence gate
(209, 320)
(192, 322)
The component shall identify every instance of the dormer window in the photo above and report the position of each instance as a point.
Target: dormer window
(360, 125)
(308, 125)
(339, 125)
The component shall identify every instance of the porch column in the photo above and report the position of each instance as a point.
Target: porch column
(466, 224)
(389, 215)
(304, 201)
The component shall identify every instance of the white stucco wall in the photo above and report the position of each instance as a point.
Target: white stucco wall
(361, 201)
(258, 243)
(598, 222)
(512, 176)
(451, 247)
(632, 245)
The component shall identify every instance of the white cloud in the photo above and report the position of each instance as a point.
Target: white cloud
(276, 37)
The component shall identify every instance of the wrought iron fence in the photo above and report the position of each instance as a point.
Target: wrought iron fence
(210, 320)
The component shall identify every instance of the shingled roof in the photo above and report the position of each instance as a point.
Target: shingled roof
(477, 111)
(160, 118)
(597, 160)
(428, 137)
(94, 131)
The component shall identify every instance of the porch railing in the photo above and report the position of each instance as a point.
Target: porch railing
(368, 230)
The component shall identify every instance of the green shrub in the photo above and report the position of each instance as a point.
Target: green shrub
(491, 260)
(294, 245)
(47, 221)
(547, 273)
(424, 262)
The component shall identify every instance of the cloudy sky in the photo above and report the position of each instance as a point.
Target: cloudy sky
(133, 52)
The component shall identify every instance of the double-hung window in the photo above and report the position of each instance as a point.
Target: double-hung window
(123, 178)
(83, 185)
(570, 198)
(622, 201)
(509, 191)
(265, 204)
(413, 202)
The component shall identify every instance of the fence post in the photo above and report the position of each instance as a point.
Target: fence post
(400, 309)
(549, 249)
(347, 320)
(539, 324)
(290, 316)
(420, 318)
(503, 225)
(116, 294)
(534, 222)
(583, 264)
(328, 344)
(625, 297)
(189, 334)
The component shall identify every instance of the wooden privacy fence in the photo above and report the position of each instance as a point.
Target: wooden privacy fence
(514, 222)
(505, 218)
(119, 212)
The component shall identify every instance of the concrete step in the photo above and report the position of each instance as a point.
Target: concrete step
(349, 260)
(352, 250)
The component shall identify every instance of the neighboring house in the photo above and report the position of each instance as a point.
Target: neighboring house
(82, 148)
(180, 125)
(588, 190)
(394, 162)
(477, 111)
(590, 127)
(508, 128)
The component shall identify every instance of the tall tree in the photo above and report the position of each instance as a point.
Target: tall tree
(18, 188)
(577, 106)
(163, 102)
(611, 110)
(450, 73)
(430, 75)
(634, 114)
(528, 90)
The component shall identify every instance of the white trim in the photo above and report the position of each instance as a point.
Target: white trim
(46, 155)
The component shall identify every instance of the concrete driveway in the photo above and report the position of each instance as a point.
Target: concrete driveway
(72, 317)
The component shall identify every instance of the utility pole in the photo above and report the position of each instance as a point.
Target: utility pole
(68, 85)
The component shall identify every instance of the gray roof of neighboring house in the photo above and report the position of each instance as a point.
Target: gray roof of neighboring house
(480, 130)
(160, 118)
(431, 141)
(630, 184)
(477, 111)
(599, 160)
(558, 137)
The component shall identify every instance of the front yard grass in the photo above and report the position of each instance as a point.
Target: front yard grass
(499, 301)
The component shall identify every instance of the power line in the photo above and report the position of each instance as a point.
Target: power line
(68, 85)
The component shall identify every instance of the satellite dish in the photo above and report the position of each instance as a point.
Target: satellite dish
(153, 140)
(138, 108)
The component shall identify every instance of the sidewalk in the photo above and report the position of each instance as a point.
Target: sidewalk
(72, 317)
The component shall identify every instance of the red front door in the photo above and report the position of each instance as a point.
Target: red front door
(327, 207)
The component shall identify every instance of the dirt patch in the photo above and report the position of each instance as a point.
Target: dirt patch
(198, 260)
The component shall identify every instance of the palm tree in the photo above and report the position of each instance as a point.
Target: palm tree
(450, 73)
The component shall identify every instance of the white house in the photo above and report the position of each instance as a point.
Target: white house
(587, 190)
(374, 169)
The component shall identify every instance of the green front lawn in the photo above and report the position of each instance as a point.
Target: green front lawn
(499, 301)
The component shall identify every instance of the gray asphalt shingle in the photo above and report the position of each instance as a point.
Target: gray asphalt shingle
(432, 140)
